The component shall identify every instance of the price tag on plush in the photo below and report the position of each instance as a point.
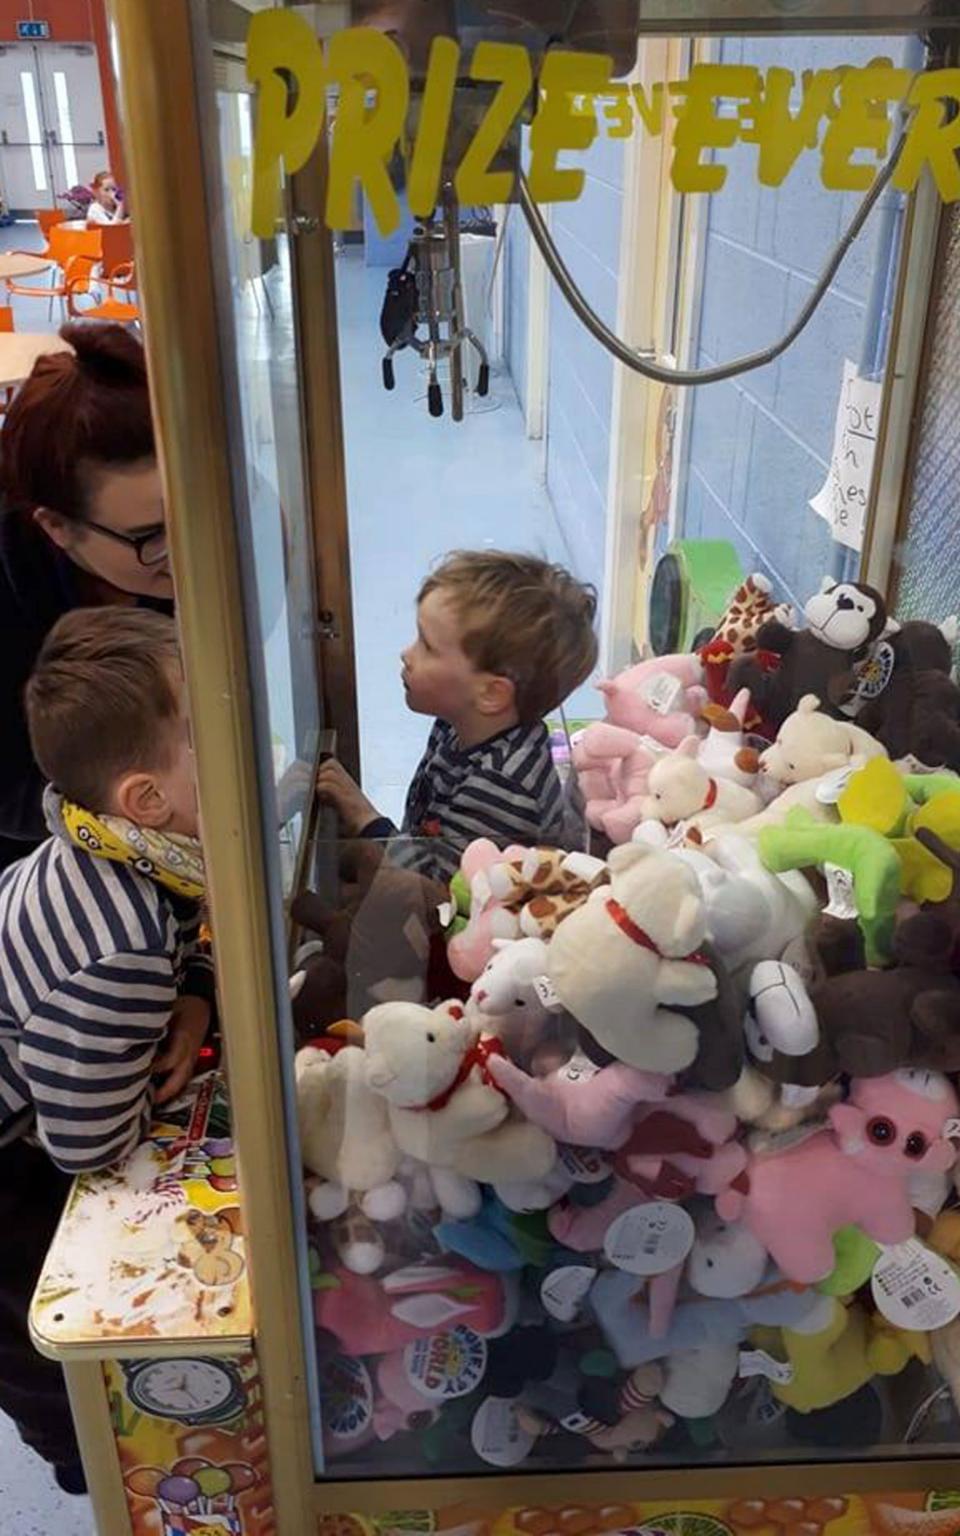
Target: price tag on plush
(663, 692)
(650, 1239)
(497, 1435)
(915, 1288)
(842, 902)
(756, 1362)
(564, 1289)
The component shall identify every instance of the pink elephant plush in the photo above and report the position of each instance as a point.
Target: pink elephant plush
(858, 1171)
(612, 766)
(661, 698)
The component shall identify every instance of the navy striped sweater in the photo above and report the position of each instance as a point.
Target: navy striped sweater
(93, 956)
(506, 789)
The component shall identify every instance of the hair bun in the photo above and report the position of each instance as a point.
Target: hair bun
(106, 352)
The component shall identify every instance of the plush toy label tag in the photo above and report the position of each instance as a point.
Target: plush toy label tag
(653, 746)
(347, 1396)
(564, 1289)
(579, 1069)
(447, 1364)
(649, 1239)
(577, 1423)
(840, 891)
(832, 785)
(497, 1435)
(583, 1164)
(951, 1128)
(914, 1287)
(662, 692)
(445, 914)
(546, 991)
(756, 1362)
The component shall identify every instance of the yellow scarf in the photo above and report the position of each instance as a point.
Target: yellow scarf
(166, 857)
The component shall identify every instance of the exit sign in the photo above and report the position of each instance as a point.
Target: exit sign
(30, 31)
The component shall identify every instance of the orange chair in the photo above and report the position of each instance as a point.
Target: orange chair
(46, 218)
(6, 325)
(117, 264)
(120, 311)
(76, 252)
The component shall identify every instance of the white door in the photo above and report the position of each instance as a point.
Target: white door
(51, 122)
(26, 179)
(72, 109)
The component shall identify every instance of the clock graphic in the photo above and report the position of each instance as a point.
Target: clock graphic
(191, 1391)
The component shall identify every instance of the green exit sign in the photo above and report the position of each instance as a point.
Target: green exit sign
(31, 31)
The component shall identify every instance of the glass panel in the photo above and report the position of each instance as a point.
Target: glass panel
(264, 328)
(606, 1105)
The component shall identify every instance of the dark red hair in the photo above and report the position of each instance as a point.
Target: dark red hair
(77, 412)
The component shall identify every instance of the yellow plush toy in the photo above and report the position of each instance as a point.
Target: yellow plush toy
(830, 1365)
(899, 806)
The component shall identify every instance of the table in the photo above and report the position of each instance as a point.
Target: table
(19, 351)
(12, 264)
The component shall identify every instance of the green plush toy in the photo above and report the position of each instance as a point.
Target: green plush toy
(867, 856)
(856, 1254)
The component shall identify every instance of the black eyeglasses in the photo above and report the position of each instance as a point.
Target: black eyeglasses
(151, 547)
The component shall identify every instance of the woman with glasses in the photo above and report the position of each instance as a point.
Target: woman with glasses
(82, 523)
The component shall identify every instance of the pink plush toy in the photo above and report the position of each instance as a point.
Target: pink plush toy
(859, 1171)
(661, 698)
(612, 765)
(469, 951)
(581, 1104)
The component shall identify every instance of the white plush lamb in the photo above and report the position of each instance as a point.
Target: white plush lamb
(508, 998)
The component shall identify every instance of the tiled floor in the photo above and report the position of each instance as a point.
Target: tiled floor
(31, 1504)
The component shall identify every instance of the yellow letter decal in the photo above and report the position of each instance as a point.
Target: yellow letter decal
(617, 112)
(510, 64)
(861, 123)
(782, 136)
(650, 112)
(557, 126)
(699, 127)
(423, 182)
(361, 59)
(932, 137)
(282, 40)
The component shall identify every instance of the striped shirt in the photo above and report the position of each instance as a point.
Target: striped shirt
(93, 957)
(506, 789)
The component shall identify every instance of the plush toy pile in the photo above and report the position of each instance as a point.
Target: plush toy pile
(677, 1171)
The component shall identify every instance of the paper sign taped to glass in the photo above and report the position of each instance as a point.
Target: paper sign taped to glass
(845, 495)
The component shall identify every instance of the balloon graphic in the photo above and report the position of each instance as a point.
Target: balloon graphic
(242, 1477)
(212, 1480)
(178, 1490)
(188, 1466)
(144, 1481)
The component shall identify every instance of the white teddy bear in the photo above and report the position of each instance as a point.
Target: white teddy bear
(680, 790)
(428, 1065)
(631, 950)
(810, 744)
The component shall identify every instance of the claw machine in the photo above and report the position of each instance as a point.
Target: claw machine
(520, 1205)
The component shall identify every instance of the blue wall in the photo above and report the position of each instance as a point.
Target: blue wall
(516, 284)
(758, 446)
(580, 388)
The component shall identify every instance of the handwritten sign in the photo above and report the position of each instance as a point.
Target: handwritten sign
(845, 495)
(844, 114)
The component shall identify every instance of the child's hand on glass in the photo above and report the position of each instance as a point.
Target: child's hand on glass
(335, 787)
(186, 1033)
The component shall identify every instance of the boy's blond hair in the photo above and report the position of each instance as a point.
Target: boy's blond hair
(102, 698)
(521, 618)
